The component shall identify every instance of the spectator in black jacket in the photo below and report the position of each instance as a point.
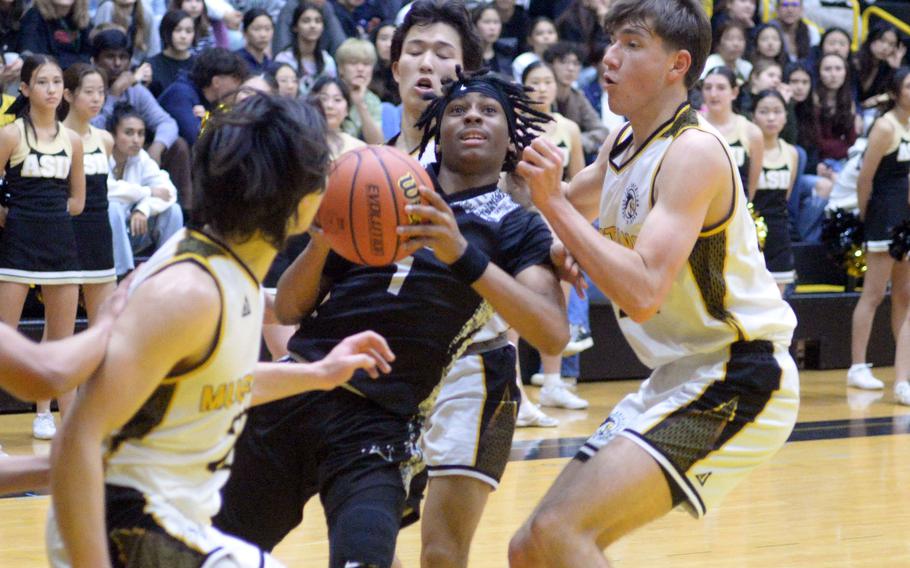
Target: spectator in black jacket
(177, 35)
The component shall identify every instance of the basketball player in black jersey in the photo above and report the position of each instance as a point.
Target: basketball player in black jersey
(479, 251)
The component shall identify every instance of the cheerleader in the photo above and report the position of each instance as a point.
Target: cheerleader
(719, 90)
(84, 94)
(778, 174)
(881, 192)
(45, 186)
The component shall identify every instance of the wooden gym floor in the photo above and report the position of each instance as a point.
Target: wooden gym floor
(832, 497)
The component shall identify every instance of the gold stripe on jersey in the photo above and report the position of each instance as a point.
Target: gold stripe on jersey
(683, 117)
(27, 144)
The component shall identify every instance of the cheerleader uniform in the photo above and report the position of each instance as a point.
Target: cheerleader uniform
(38, 245)
(738, 142)
(94, 239)
(888, 203)
(771, 203)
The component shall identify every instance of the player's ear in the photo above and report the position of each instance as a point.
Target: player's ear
(681, 62)
(395, 74)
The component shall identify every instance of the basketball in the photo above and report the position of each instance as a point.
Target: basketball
(364, 202)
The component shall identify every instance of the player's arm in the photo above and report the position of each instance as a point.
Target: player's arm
(24, 473)
(756, 158)
(303, 285)
(638, 279)
(366, 350)
(880, 139)
(169, 323)
(531, 303)
(583, 192)
(76, 202)
(36, 371)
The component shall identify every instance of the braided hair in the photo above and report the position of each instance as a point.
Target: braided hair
(522, 120)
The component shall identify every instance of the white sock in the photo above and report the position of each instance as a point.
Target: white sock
(858, 366)
(552, 380)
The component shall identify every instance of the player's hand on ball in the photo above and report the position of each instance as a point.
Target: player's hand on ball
(367, 350)
(567, 267)
(439, 231)
(541, 167)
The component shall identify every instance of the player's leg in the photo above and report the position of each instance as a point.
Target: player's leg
(591, 505)
(450, 517)
(273, 474)
(23, 473)
(466, 448)
(60, 304)
(363, 512)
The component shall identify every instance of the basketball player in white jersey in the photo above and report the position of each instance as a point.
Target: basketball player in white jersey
(137, 472)
(677, 255)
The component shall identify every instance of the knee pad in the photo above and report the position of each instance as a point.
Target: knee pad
(363, 534)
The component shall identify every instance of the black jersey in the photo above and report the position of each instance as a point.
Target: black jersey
(895, 164)
(96, 171)
(37, 175)
(425, 313)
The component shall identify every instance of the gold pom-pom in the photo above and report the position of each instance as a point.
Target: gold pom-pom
(855, 261)
(761, 228)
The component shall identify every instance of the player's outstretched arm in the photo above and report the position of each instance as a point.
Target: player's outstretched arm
(366, 350)
(23, 473)
(302, 285)
(35, 371)
(531, 303)
(169, 323)
(638, 279)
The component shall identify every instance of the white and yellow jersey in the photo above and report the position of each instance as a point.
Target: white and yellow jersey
(179, 445)
(724, 293)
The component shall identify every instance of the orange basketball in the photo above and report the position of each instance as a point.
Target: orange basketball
(364, 202)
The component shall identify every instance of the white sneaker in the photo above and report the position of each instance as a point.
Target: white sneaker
(530, 415)
(43, 427)
(902, 393)
(860, 376)
(538, 380)
(559, 396)
(580, 340)
(2, 453)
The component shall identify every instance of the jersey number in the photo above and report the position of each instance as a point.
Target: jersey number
(402, 269)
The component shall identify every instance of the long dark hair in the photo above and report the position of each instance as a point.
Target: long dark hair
(169, 23)
(21, 107)
(781, 57)
(866, 62)
(842, 114)
(896, 86)
(295, 47)
(72, 81)
(577, 17)
(201, 25)
(806, 120)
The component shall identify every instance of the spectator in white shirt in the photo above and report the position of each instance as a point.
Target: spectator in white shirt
(143, 207)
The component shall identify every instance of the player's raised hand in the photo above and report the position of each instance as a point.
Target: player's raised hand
(541, 167)
(567, 267)
(439, 230)
(366, 350)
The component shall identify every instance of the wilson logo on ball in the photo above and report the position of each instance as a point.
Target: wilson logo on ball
(364, 203)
